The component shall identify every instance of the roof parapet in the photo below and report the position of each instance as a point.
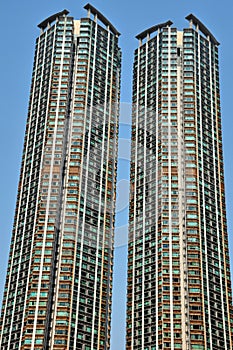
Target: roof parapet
(51, 19)
(194, 20)
(153, 29)
(102, 18)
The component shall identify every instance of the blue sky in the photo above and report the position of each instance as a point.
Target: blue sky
(18, 31)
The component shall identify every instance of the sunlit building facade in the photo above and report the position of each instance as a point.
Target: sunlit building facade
(59, 278)
(179, 288)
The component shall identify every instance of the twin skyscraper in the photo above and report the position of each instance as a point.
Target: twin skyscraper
(58, 288)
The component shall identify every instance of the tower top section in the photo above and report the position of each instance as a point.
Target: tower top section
(102, 18)
(153, 29)
(193, 20)
(90, 10)
(51, 19)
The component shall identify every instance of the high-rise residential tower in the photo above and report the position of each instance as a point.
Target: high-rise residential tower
(59, 278)
(179, 289)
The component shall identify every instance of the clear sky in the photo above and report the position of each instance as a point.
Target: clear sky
(18, 31)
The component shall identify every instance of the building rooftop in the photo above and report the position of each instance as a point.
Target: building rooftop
(102, 18)
(153, 29)
(201, 27)
(51, 19)
(87, 7)
(191, 18)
